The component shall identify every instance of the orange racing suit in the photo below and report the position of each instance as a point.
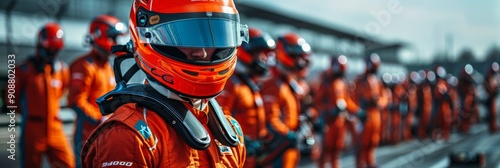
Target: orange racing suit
(138, 137)
(491, 86)
(242, 100)
(370, 96)
(309, 115)
(333, 90)
(91, 78)
(444, 109)
(39, 88)
(385, 116)
(306, 99)
(400, 111)
(455, 107)
(470, 107)
(411, 97)
(282, 110)
(425, 97)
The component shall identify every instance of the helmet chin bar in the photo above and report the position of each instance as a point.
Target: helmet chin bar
(173, 112)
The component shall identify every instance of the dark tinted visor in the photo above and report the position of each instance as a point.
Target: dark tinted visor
(196, 32)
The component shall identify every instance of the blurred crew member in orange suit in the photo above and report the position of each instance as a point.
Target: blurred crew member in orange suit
(443, 106)
(370, 97)
(334, 101)
(404, 107)
(455, 101)
(424, 95)
(279, 93)
(468, 97)
(306, 98)
(187, 50)
(398, 107)
(490, 84)
(411, 90)
(307, 142)
(352, 121)
(40, 82)
(308, 115)
(386, 112)
(91, 77)
(241, 95)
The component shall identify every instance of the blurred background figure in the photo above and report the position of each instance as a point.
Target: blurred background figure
(410, 86)
(41, 81)
(308, 116)
(386, 112)
(490, 84)
(456, 105)
(371, 97)
(334, 103)
(424, 94)
(399, 107)
(91, 77)
(280, 93)
(442, 116)
(241, 96)
(352, 120)
(468, 97)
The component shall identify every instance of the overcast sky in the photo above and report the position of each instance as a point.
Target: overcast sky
(422, 23)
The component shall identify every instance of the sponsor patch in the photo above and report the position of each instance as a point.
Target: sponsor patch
(236, 126)
(224, 150)
(143, 128)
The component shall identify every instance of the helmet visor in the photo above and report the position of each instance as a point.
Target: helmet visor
(119, 29)
(196, 32)
(261, 43)
(298, 50)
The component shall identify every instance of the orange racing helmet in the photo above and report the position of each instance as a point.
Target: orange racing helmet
(158, 28)
(255, 54)
(293, 52)
(50, 41)
(103, 31)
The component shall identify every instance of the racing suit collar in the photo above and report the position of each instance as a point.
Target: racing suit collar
(198, 104)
